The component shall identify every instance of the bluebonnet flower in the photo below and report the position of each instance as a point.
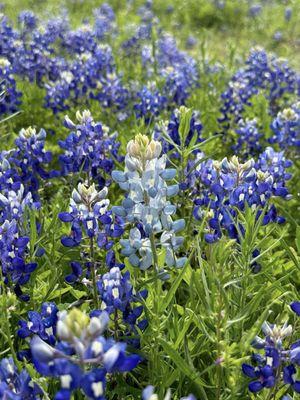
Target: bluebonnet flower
(89, 147)
(178, 69)
(286, 128)
(41, 323)
(111, 92)
(9, 95)
(146, 206)
(92, 74)
(295, 306)
(16, 385)
(191, 42)
(230, 184)
(89, 212)
(13, 204)
(34, 58)
(288, 13)
(255, 10)
(150, 103)
(278, 36)
(59, 92)
(117, 295)
(276, 164)
(80, 41)
(14, 240)
(170, 135)
(248, 142)
(180, 80)
(261, 74)
(30, 159)
(82, 357)
(8, 36)
(265, 372)
(9, 178)
(148, 394)
(27, 19)
(104, 20)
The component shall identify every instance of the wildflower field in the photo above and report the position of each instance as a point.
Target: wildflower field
(149, 199)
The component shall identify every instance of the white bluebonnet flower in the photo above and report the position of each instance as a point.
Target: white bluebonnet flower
(146, 206)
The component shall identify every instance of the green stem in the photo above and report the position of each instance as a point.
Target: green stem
(154, 253)
(7, 324)
(93, 272)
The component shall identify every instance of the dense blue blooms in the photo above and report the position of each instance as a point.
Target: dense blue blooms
(228, 185)
(248, 140)
(89, 148)
(14, 239)
(286, 128)
(89, 214)
(265, 372)
(27, 19)
(81, 357)
(30, 159)
(9, 95)
(92, 73)
(170, 136)
(42, 324)
(150, 103)
(261, 74)
(117, 295)
(104, 21)
(16, 385)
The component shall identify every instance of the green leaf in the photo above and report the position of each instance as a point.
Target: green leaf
(184, 367)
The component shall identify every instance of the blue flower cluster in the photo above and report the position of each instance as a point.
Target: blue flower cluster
(89, 148)
(150, 103)
(82, 356)
(116, 294)
(170, 136)
(248, 140)
(266, 370)
(9, 95)
(14, 241)
(104, 21)
(72, 65)
(21, 170)
(229, 185)
(30, 159)
(42, 324)
(92, 73)
(26, 163)
(89, 213)
(35, 52)
(178, 69)
(146, 207)
(261, 74)
(286, 128)
(16, 385)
